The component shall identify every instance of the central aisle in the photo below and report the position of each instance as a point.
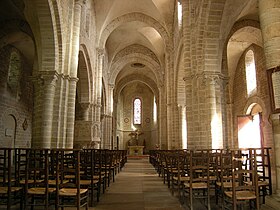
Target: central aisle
(138, 187)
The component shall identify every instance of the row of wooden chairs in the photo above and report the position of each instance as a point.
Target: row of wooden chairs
(56, 177)
(231, 176)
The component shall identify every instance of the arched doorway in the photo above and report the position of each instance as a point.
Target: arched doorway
(250, 128)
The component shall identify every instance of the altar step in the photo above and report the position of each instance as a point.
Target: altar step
(135, 157)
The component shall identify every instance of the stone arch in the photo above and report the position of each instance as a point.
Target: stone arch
(255, 100)
(180, 73)
(135, 16)
(85, 82)
(39, 14)
(136, 77)
(241, 26)
(135, 57)
(58, 38)
(237, 26)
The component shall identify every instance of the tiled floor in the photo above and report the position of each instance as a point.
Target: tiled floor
(138, 187)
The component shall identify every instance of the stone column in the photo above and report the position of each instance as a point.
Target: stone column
(85, 111)
(97, 105)
(172, 114)
(43, 115)
(215, 112)
(73, 74)
(269, 12)
(76, 37)
(71, 113)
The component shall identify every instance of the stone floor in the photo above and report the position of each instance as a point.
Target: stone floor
(138, 187)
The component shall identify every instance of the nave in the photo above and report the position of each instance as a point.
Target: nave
(138, 187)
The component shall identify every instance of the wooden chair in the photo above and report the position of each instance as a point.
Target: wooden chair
(263, 172)
(10, 192)
(198, 186)
(69, 194)
(224, 177)
(182, 175)
(88, 178)
(37, 190)
(243, 193)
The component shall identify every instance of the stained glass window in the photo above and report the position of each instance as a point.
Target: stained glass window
(137, 106)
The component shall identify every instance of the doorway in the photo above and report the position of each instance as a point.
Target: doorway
(250, 128)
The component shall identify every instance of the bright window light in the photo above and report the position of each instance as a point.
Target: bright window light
(184, 128)
(250, 72)
(137, 108)
(155, 110)
(179, 12)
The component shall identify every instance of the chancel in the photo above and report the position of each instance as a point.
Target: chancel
(135, 147)
(95, 91)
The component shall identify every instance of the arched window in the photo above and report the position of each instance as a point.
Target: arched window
(179, 12)
(137, 111)
(14, 73)
(250, 72)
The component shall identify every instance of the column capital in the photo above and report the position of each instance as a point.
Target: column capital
(80, 2)
(46, 77)
(111, 86)
(85, 105)
(100, 51)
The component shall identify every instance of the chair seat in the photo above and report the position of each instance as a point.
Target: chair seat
(30, 181)
(226, 184)
(6, 180)
(182, 178)
(197, 185)
(39, 190)
(242, 195)
(260, 183)
(53, 182)
(71, 191)
(88, 182)
(4, 190)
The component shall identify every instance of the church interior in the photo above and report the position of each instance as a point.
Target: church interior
(87, 86)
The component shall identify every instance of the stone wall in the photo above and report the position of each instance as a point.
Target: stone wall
(16, 103)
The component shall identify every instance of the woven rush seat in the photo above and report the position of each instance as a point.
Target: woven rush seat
(4, 190)
(226, 184)
(30, 181)
(53, 182)
(6, 180)
(260, 183)
(242, 195)
(88, 182)
(182, 178)
(197, 185)
(71, 191)
(39, 190)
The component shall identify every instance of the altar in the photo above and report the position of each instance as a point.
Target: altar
(135, 150)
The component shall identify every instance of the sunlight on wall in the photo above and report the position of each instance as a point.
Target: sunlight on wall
(112, 103)
(249, 134)
(184, 129)
(217, 142)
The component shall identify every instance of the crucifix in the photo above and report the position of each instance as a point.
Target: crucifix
(135, 134)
